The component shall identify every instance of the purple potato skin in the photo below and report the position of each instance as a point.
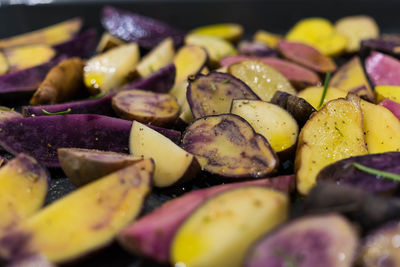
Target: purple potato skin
(151, 235)
(81, 45)
(343, 172)
(387, 43)
(254, 49)
(41, 136)
(131, 27)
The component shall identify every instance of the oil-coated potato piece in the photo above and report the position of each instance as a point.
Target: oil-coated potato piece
(228, 31)
(189, 60)
(226, 145)
(267, 38)
(220, 231)
(333, 133)
(394, 107)
(313, 95)
(3, 64)
(391, 92)
(107, 42)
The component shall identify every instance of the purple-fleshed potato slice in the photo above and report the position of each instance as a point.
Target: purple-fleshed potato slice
(81, 45)
(212, 94)
(146, 107)
(307, 242)
(131, 27)
(255, 49)
(83, 166)
(344, 172)
(151, 235)
(383, 69)
(226, 145)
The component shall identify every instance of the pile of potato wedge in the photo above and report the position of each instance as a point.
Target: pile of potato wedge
(279, 150)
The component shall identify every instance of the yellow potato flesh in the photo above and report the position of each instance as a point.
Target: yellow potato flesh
(3, 64)
(107, 42)
(189, 60)
(313, 95)
(220, 231)
(333, 133)
(267, 38)
(24, 57)
(387, 91)
(227, 31)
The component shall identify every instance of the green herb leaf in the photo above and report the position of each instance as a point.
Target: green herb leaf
(101, 94)
(213, 86)
(383, 174)
(56, 113)
(226, 81)
(326, 84)
(289, 260)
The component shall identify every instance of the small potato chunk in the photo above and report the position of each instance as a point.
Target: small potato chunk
(212, 94)
(228, 31)
(310, 241)
(228, 146)
(3, 64)
(147, 143)
(107, 42)
(261, 78)
(383, 69)
(189, 60)
(391, 92)
(333, 133)
(271, 121)
(313, 95)
(267, 38)
(85, 219)
(147, 107)
(111, 69)
(356, 29)
(220, 231)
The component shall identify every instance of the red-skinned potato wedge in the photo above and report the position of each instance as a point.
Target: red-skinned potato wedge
(219, 232)
(108, 41)
(52, 35)
(213, 93)
(23, 188)
(9, 114)
(82, 166)
(335, 132)
(226, 145)
(61, 84)
(307, 56)
(3, 64)
(307, 242)
(351, 78)
(394, 107)
(383, 69)
(151, 235)
(148, 143)
(66, 230)
(189, 60)
(228, 31)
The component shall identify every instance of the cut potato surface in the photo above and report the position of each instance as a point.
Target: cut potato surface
(109, 70)
(391, 92)
(383, 69)
(189, 60)
(333, 133)
(3, 64)
(313, 95)
(107, 42)
(147, 143)
(227, 31)
(261, 78)
(220, 231)
(271, 121)
(267, 38)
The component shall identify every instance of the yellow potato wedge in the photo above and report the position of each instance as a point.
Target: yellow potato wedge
(356, 29)
(381, 128)
(3, 64)
(221, 230)
(313, 95)
(267, 38)
(107, 42)
(263, 79)
(111, 69)
(333, 133)
(179, 92)
(84, 220)
(189, 60)
(51, 35)
(228, 31)
(387, 91)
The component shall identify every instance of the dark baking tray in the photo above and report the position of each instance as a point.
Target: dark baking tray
(276, 16)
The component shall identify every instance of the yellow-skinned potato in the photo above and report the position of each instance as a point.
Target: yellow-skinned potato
(189, 60)
(313, 95)
(387, 91)
(3, 64)
(381, 128)
(51, 35)
(333, 133)
(228, 31)
(267, 38)
(107, 42)
(221, 230)
(84, 220)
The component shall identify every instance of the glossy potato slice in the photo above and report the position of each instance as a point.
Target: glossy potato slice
(228, 31)
(261, 78)
(220, 231)
(228, 146)
(189, 60)
(313, 95)
(66, 229)
(333, 133)
(3, 64)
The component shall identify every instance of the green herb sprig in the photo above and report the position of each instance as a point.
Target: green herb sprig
(56, 113)
(326, 84)
(383, 174)
(99, 95)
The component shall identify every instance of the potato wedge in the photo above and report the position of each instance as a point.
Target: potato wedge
(391, 92)
(146, 107)
(108, 41)
(82, 166)
(313, 95)
(226, 145)
(271, 121)
(3, 64)
(66, 230)
(261, 78)
(335, 132)
(179, 92)
(109, 70)
(220, 231)
(394, 107)
(267, 38)
(383, 69)
(147, 143)
(189, 60)
(228, 31)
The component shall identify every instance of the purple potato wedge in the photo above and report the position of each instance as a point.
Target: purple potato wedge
(42, 136)
(83, 166)
(151, 235)
(226, 145)
(146, 107)
(212, 94)
(81, 45)
(307, 242)
(255, 49)
(383, 69)
(386, 43)
(131, 27)
(364, 208)
(298, 107)
(344, 172)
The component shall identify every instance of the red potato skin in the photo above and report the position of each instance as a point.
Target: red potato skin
(383, 69)
(151, 235)
(394, 107)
